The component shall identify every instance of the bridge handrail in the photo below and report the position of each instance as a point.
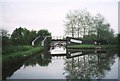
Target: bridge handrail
(58, 37)
(42, 44)
(34, 40)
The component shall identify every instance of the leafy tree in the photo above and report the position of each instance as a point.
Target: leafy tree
(102, 28)
(81, 23)
(70, 24)
(5, 37)
(32, 36)
(43, 33)
(20, 36)
(78, 23)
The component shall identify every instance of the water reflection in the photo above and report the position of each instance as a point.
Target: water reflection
(38, 59)
(42, 60)
(58, 50)
(89, 66)
(75, 64)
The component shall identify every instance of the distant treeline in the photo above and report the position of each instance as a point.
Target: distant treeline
(23, 36)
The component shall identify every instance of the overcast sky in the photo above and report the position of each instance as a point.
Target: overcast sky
(49, 14)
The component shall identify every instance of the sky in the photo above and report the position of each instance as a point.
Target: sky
(50, 14)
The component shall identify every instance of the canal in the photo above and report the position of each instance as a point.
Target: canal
(61, 63)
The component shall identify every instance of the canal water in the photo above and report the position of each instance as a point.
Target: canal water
(61, 63)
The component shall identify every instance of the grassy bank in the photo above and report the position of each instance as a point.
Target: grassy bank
(20, 53)
(83, 46)
(12, 49)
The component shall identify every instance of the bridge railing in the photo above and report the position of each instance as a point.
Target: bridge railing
(43, 42)
(45, 38)
(33, 42)
(58, 37)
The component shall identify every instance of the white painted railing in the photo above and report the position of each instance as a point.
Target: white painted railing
(53, 37)
(33, 42)
(42, 44)
(58, 37)
(76, 41)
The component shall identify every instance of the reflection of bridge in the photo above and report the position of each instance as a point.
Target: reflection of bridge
(75, 53)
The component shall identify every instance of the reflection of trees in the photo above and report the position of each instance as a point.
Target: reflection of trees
(91, 66)
(42, 60)
(9, 68)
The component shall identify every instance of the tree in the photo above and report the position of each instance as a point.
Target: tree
(70, 24)
(32, 36)
(20, 36)
(101, 27)
(78, 22)
(43, 33)
(5, 37)
(81, 23)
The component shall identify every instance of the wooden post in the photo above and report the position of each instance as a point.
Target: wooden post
(67, 41)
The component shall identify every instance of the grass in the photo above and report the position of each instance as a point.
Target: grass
(86, 46)
(13, 49)
(81, 46)
(20, 55)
